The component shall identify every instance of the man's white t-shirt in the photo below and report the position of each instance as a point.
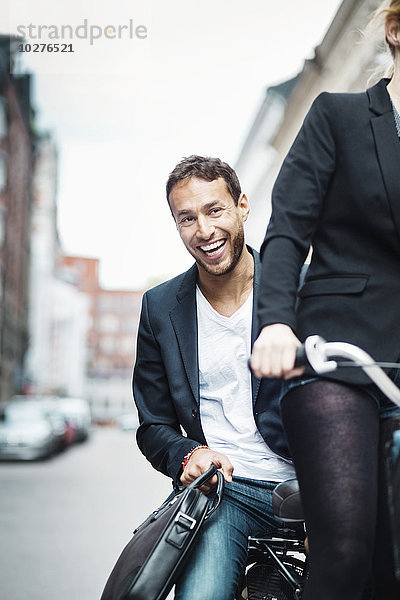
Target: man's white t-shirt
(226, 408)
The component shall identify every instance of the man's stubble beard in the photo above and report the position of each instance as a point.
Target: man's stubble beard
(238, 245)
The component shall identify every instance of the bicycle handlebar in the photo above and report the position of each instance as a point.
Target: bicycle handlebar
(316, 353)
(301, 359)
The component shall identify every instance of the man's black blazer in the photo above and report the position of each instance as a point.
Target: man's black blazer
(339, 191)
(166, 377)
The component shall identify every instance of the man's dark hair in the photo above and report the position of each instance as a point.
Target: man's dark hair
(207, 168)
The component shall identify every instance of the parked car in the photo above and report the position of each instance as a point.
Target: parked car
(128, 422)
(77, 411)
(64, 429)
(25, 433)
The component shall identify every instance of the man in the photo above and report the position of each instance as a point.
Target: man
(197, 400)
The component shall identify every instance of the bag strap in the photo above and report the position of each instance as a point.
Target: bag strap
(211, 471)
(203, 477)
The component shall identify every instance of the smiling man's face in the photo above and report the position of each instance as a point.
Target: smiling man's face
(209, 223)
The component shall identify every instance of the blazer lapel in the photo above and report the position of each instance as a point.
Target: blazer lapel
(184, 322)
(255, 381)
(387, 145)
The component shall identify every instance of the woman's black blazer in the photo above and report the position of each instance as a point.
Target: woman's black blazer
(339, 191)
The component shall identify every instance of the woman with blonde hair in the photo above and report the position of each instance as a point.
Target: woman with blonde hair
(339, 191)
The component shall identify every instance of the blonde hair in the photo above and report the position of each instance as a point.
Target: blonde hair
(389, 9)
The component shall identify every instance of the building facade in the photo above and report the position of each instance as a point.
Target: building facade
(58, 311)
(16, 157)
(344, 61)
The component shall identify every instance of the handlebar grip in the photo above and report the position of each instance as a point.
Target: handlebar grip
(301, 357)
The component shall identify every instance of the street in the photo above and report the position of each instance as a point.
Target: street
(64, 521)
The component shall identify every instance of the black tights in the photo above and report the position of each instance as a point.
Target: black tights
(336, 439)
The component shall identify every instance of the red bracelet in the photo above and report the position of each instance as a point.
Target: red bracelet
(189, 454)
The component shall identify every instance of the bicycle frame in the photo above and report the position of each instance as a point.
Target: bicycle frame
(276, 566)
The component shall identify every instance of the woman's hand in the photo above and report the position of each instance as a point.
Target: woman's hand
(274, 352)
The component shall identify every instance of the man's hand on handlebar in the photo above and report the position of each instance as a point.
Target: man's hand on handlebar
(274, 353)
(200, 461)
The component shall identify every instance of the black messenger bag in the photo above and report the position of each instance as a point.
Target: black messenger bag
(150, 563)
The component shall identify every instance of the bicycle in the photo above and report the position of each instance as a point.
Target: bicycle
(276, 567)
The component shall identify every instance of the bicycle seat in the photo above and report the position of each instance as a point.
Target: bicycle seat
(286, 501)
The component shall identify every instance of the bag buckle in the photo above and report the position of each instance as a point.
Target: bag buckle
(185, 520)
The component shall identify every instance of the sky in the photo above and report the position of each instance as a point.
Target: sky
(149, 82)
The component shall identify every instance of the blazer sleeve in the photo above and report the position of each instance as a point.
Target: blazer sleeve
(159, 435)
(297, 199)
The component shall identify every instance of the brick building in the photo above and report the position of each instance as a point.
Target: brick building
(111, 337)
(16, 156)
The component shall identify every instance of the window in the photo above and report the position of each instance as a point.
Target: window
(2, 226)
(130, 325)
(107, 345)
(3, 118)
(3, 171)
(109, 323)
(127, 345)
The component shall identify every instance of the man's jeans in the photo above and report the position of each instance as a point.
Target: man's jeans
(214, 567)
